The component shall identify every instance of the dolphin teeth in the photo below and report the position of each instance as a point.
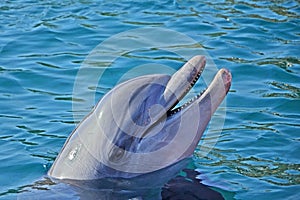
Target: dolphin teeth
(192, 83)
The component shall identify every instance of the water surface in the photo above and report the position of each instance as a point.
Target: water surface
(43, 45)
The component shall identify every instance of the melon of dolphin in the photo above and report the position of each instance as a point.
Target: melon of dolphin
(137, 127)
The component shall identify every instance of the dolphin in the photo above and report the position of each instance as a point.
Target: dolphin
(138, 128)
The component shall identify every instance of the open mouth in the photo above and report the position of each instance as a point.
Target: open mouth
(175, 108)
(217, 90)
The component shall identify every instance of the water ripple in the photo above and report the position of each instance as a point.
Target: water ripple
(43, 44)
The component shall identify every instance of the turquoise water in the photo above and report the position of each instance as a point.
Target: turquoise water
(43, 45)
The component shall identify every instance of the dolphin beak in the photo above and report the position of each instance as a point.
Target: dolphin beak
(185, 78)
(194, 116)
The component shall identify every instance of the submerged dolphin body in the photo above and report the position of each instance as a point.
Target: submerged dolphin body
(136, 129)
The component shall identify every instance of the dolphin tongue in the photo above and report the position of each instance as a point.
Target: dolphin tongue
(182, 81)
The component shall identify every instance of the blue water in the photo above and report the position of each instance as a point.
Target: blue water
(44, 45)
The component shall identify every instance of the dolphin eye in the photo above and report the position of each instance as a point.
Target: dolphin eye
(116, 154)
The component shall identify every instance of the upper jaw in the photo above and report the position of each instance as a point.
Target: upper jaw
(182, 81)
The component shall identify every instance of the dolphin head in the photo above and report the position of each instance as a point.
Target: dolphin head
(137, 127)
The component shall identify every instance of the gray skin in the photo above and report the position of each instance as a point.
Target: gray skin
(135, 130)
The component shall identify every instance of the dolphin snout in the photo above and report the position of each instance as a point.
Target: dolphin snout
(227, 77)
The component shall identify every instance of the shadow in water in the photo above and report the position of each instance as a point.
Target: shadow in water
(184, 186)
